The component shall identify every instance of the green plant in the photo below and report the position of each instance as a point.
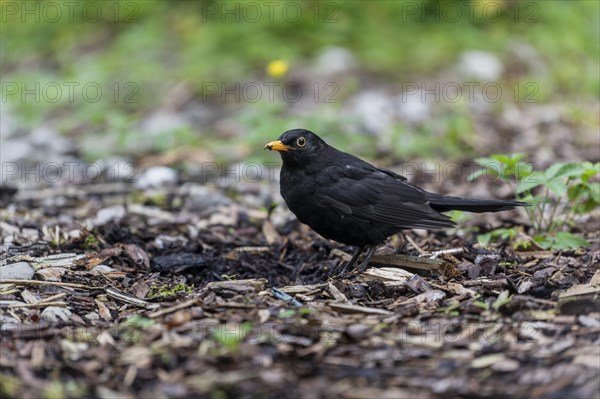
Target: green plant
(231, 336)
(558, 196)
(503, 298)
(132, 329)
(168, 291)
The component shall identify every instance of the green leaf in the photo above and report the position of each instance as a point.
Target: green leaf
(587, 206)
(544, 242)
(553, 170)
(484, 238)
(509, 160)
(570, 169)
(530, 182)
(590, 170)
(232, 335)
(476, 174)
(483, 161)
(557, 187)
(595, 192)
(522, 170)
(562, 240)
(565, 240)
(493, 168)
(502, 158)
(577, 191)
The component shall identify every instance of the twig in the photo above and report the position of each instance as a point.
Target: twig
(414, 244)
(40, 282)
(113, 293)
(38, 305)
(349, 308)
(450, 251)
(52, 298)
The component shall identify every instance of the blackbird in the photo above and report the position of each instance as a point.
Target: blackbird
(348, 200)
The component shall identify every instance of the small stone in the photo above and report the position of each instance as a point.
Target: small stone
(114, 169)
(9, 323)
(101, 269)
(17, 271)
(487, 263)
(15, 150)
(162, 122)
(8, 123)
(374, 109)
(335, 60)
(49, 139)
(203, 198)
(157, 176)
(505, 365)
(588, 320)
(112, 213)
(357, 331)
(413, 106)
(55, 314)
(92, 316)
(434, 296)
(544, 273)
(525, 286)
(480, 65)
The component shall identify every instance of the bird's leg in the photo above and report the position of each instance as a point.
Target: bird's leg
(354, 259)
(367, 259)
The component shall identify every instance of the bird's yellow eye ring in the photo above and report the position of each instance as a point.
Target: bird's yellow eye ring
(301, 142)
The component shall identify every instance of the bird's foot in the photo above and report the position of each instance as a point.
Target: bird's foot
(352, 261)
(365, 262)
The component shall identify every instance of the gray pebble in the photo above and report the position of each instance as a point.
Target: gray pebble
(56, 314)
(17, 271)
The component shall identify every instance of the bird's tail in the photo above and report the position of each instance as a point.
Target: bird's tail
(444, 204)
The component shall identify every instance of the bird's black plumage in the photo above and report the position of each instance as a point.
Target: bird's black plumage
(348, 200)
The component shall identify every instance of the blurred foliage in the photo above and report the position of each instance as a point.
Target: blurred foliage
(159, 45)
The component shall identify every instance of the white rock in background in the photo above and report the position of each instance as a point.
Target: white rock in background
(157, 176)
(413, 107)
(14, 150)
(48, 139)
(8, 124)
(202, 198)
(335, 60)
(162, 122)
(480, 65)
(374, 109)
(114, 169)
(17, 271)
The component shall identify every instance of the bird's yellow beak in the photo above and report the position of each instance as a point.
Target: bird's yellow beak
(276, 145)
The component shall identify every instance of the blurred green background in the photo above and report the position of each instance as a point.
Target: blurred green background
(155, 57)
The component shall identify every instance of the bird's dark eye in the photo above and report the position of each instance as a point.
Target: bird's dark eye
(301, 142)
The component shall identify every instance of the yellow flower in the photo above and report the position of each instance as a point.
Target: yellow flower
(277, 68)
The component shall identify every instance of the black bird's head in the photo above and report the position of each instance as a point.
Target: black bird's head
(298, 147)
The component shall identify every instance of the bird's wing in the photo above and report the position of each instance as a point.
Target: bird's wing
(368, 194)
